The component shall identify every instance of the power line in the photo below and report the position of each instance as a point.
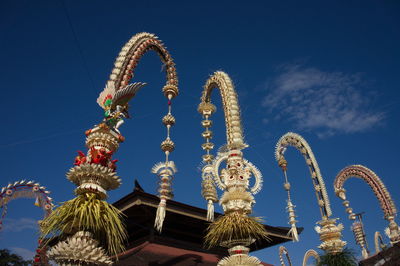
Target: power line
(29, 141)
(85, 65)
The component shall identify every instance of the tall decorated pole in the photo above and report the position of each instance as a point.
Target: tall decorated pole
(330, 233)
(89, 229)
(387, 204)
(122, 73)
(235, 230)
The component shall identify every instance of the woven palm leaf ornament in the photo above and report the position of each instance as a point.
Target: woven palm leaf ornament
(330, 233)
(90, 229)
(359, 235)
(235, 229)
(382, 194)
(165, 171)
(28, 189)
(25, 189)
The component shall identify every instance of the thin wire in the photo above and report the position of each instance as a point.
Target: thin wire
(29, 141)
(85, 65)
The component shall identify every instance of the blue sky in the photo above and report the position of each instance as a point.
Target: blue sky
(328, 71)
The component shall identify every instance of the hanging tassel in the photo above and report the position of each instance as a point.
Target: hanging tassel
(160, 216)
(165, 172)
(37, 203)
(293, 232)
(208, 191)
(388, 233)
(210, 211)
(292, 221)
(364, 253)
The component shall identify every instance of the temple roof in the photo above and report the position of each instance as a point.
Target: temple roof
(182, 234)
(389, 256)
(156, 254)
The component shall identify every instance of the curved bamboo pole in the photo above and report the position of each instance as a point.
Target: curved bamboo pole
(310, 253)
(382, 194)
(234, 132)
(298, 142)
(330, 233)
(122, 73)
(130, 55)
(25, 189)
(28, 189)
(284, 251)
(235, 229)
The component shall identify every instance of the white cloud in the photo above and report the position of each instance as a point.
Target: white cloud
(18, 225)
(26, 254)
(327, 102)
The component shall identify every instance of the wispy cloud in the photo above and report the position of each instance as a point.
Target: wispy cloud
(327, 102)
(26, 254)
(18, 225)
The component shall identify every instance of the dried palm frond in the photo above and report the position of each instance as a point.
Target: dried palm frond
(234, 226)
(88, 213)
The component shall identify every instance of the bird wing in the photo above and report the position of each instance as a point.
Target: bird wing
(123, 96)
